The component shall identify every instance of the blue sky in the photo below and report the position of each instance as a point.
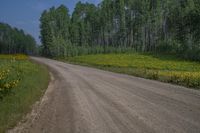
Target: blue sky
(25, 14)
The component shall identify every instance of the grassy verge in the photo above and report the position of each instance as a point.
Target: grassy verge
(164, 68)
(22, 83)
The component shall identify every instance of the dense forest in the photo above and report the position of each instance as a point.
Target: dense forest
(13, 40)
(160, 26)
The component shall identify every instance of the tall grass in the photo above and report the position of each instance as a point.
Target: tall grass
(16, 101)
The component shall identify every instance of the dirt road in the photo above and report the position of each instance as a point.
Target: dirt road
(87, 100)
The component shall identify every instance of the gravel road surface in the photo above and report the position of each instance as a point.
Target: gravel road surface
(87, 100)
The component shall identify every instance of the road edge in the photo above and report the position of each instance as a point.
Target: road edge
(25, 123)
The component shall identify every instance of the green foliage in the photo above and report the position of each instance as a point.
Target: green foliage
(13, 40)
(140, 61)
(168, 26)
(18, 97)
(55, 31)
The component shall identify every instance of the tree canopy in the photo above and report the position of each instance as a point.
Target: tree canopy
(13, 40)
(169, 26)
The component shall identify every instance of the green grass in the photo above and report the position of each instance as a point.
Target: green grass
(165, 68)
(33, 80)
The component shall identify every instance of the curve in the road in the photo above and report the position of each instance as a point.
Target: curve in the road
(87, 100)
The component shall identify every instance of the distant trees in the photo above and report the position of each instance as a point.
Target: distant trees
(13, 40)
(170, 26)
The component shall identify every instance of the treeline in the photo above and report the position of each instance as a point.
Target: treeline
(169, 26)
(13, 40)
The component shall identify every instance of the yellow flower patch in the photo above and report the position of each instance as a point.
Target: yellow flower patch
(10, 73)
